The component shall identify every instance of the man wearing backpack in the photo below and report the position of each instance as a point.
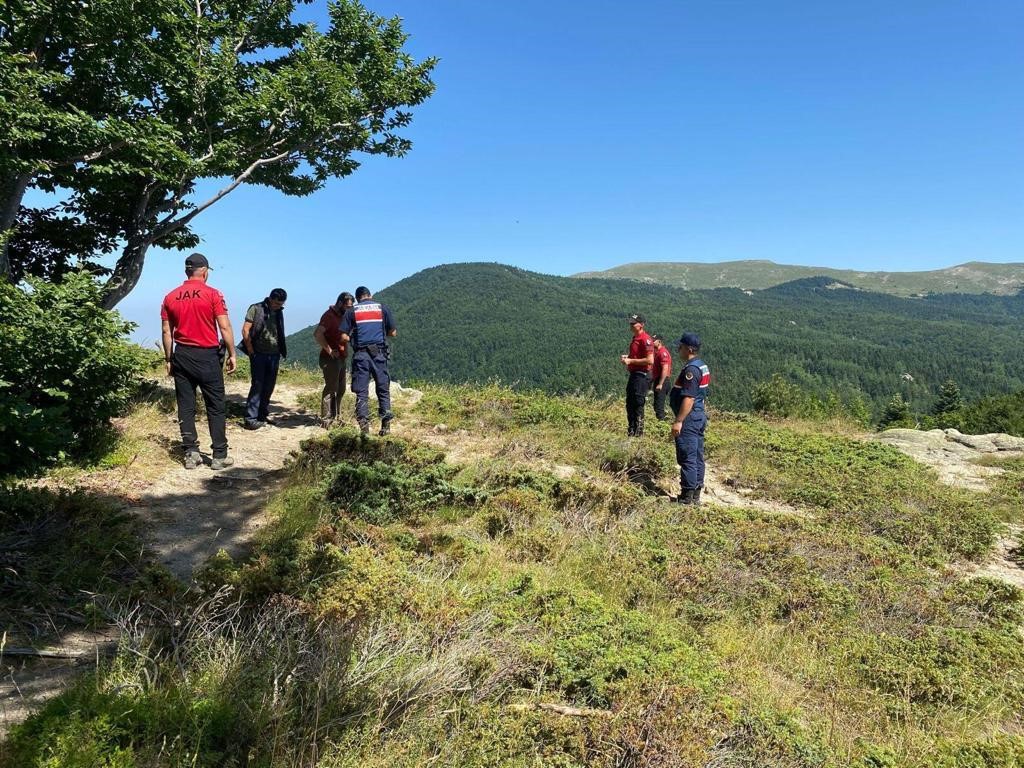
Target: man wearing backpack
(190, 316)
(263, 340)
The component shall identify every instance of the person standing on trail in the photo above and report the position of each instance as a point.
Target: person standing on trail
(368, 325)
(264, 340)
(190, 317)
(333, 352)
(638, 361)
(660, 376)
(687, 401)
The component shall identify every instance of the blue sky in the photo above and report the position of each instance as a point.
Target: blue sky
(569, 136)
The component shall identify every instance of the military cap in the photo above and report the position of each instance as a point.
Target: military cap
(689, 340)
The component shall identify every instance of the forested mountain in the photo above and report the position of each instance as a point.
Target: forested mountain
(972, 277)
(477, 322)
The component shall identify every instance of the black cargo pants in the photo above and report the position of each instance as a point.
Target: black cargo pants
(636, 398)
(200, 367)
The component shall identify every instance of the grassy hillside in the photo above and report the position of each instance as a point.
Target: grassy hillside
(479, 322)
(512, 589)
(972, 277)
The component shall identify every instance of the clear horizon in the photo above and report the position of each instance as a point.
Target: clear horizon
(569, 137)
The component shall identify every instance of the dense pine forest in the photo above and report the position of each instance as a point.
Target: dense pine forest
(481, 322)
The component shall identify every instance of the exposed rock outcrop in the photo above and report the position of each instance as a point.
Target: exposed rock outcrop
(952, 454)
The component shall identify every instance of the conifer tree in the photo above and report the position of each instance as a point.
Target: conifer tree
(950, 401)
(896, 413)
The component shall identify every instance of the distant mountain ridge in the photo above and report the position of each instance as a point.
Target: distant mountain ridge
(480, 322)
(971, 277)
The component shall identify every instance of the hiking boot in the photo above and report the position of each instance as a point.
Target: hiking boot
(695, 497)
(385, 427)
(364, 427)
(193, 459)
(222, 463)
(254, 425)
(685, 496)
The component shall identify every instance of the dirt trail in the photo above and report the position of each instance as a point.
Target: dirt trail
(190, 514)
(186, 515)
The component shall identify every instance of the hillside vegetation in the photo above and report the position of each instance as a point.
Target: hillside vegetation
(483, 322)
(504, 583)
(972, 277)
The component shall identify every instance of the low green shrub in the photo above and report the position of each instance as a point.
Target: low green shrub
(66, 368)
(592, 650)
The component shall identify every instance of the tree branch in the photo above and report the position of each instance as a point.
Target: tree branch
(562, 709)
(86, 157)
(170, 225)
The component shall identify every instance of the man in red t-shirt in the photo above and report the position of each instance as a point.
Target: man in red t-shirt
(333, 351)
(660, 376)
(638, 361)
(190, 316)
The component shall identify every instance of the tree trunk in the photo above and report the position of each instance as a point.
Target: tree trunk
(12, 191)
(126, 272)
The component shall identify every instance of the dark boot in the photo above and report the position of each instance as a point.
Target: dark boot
(695, 497)
(685, 496)
(385, 427)
(364, 427)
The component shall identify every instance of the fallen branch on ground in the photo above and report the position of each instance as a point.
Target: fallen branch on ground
(562, 709)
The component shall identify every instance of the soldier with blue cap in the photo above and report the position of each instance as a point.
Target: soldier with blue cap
(687, 402)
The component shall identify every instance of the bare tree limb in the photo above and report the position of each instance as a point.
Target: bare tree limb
(563, 709)
(86, 157)
(170, 225)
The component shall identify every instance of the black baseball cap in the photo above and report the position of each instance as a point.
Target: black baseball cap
(689, 340)
(196, 260)
(635, 318)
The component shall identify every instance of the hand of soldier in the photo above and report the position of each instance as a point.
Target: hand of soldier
(335, 353)
(232, 364)
(623, 359)
(677, 427)
(167, 367)
(657, 387)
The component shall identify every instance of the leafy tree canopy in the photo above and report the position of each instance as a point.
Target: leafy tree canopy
(231, 90)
